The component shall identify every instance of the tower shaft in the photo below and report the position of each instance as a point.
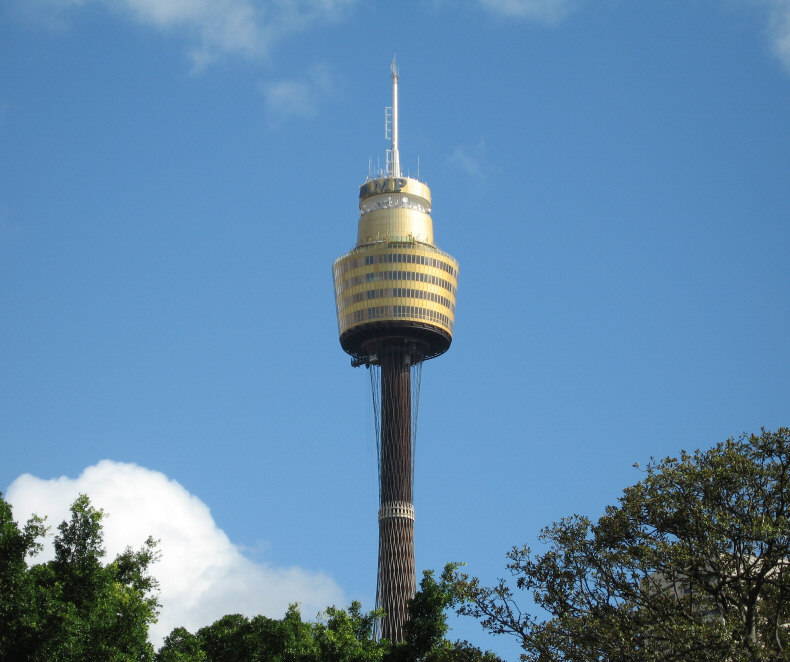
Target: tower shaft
(396, 474)
(397, 580)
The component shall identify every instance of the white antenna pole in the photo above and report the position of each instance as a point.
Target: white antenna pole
(395, 156)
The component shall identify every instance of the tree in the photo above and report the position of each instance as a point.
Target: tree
(348, 636)
(692, 564)
(73, 608)
(17, 622)
(426, 627)
(339, 635)
(181, 646)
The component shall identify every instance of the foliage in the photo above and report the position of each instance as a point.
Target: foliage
(427, 625)
(181, 646)
(347, 636)
(17, 622)
(692, 564)
(339, 636)
(73, 608)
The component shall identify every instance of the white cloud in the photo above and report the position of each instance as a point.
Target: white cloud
(779, 30)
(246, 28)
(546, 11)
(220, 26)
(552, 11)
(202, 574)
(470, 160)
(299, 98)
(290, 98)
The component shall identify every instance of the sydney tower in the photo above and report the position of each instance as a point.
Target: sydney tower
(395, 296)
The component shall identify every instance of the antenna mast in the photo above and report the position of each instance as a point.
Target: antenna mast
(395, 172)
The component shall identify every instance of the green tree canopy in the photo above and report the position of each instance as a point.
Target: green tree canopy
(426, 627)
(339, 635)
(692, 564)
(73, 608)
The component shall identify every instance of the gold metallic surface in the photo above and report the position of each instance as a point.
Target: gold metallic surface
(395, 225)
(395, 277)
(379, 281)
(394, 209)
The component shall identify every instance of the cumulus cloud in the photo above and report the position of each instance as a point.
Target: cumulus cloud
(202, 574)
(246, 28)
(546, 11)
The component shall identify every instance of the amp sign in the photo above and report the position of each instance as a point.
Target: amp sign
(381, 186)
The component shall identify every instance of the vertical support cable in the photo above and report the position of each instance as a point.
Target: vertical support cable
(375, 388)
(416, 381)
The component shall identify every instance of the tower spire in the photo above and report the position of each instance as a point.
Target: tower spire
(395, 156)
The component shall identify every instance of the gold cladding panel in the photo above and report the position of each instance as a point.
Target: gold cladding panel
(395, 223)
(378, 289)
(364, 287)
(395, 255)
(353, 301)
(396, 308)
(363, 268)
(375, 277)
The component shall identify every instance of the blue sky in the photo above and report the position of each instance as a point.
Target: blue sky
(177, 177)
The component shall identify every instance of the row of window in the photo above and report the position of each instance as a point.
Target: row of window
(392, 312)
(404, 292)
(411, 258)
(393, 258)
(400, 275)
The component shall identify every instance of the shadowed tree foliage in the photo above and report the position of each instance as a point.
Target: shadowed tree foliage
(692, 564)
(73, 608)
(17, 591)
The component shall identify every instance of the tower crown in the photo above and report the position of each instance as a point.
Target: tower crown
(395, 285)
(394, 209)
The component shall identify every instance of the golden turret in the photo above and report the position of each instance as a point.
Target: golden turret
(395, 283)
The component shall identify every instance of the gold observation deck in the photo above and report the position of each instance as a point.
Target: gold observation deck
(396, 283)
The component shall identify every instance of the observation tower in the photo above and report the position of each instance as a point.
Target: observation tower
(395, 296)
